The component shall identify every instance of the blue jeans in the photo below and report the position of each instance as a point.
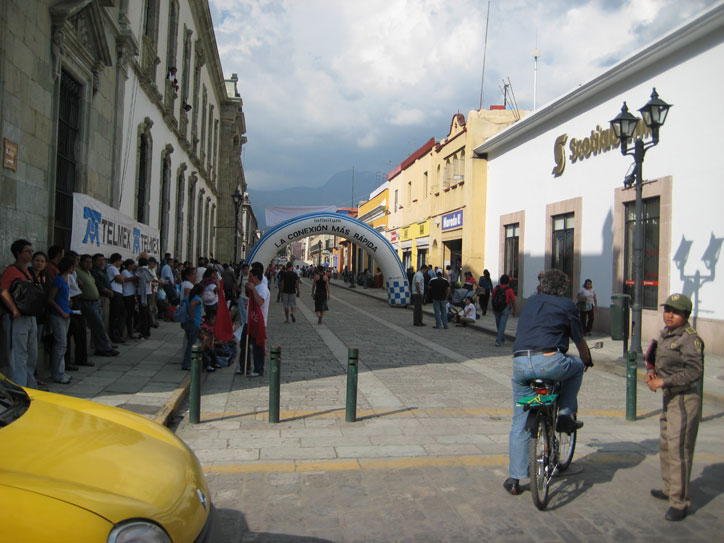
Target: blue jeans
(91, 311)
(440, 313)
(59, 326)
(21, 342)
(501, 319)
(192, 333)
(559, 367)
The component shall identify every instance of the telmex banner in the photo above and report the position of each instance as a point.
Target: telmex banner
(98, 228)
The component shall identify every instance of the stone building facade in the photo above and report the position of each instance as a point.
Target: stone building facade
(123, 101)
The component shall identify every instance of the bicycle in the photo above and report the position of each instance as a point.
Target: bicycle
(551, 451)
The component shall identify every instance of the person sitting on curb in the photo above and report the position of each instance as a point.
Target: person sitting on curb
(468, 315)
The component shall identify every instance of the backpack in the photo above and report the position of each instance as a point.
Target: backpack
(499, 299)
(182, 312)
(29, 297)
(171, 294)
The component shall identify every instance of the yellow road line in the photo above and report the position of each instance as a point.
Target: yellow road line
(495, 460)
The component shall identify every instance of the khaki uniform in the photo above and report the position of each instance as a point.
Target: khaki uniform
(679, 362)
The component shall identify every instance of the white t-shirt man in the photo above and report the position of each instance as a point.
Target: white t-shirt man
(418, 282)
(129, 286)
(112, 272)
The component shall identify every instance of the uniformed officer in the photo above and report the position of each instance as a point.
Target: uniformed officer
(678, 364)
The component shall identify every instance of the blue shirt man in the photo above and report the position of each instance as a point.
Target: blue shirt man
(546, 323)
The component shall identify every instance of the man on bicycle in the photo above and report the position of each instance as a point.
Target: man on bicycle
(545, 325)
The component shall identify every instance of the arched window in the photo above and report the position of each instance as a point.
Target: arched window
(143, 177)
(164, 211)
(180, 193)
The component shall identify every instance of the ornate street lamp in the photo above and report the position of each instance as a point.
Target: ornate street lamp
(624, 126)
(237, 197)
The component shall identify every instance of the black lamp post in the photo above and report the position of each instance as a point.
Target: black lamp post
(237, 197)
(624, 126)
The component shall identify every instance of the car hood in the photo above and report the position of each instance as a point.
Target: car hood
(112, 462)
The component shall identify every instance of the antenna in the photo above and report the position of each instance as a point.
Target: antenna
(536, 54)
(507, 91)
(485, 51)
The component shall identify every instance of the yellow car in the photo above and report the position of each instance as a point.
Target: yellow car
(79, 471)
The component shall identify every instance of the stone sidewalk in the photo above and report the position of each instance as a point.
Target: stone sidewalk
(145, 378)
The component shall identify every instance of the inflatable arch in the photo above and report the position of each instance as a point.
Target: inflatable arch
(398, 289)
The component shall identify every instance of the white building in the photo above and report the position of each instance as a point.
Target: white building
(174, 96)
(555, 194)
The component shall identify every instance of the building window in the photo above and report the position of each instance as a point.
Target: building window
(204, 101)
(395, 199)
(421, 257)
(191, 215)
(459, 168)
(562, 246)
(200, 220)
(209, 146)
(178, 238)
(409, 193)
(164, 210)
(185, 78)
(143, 183)
(426, 185)
(171, 86)
(650, 223)
(511, 254)
(448, 173)
(216, 140)
(66, 160)
(150, 28)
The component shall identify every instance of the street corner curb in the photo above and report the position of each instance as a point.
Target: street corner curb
(174, 402)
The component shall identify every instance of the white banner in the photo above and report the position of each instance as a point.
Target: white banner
(98, 228)
(276, 214)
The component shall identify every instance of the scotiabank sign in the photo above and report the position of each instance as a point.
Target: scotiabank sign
(453, 220)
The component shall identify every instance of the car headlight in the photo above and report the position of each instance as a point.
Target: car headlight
(138, 531)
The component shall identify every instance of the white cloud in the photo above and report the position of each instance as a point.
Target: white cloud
(340, 77)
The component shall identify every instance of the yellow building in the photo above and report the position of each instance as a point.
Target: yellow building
(437, 208)
(374, 213)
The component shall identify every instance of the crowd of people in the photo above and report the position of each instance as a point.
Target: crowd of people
(52, 301)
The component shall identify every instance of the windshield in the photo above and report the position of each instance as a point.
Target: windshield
(13, 402)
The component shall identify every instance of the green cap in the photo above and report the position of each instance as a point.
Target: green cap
(679, 301)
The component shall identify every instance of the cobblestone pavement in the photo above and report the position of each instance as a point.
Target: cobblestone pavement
(427, 456)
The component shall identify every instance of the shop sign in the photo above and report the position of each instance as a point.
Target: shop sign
(393, 235)
(452, 220)
(598, 142)
(98, 228)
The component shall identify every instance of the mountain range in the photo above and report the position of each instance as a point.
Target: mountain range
(337, 191)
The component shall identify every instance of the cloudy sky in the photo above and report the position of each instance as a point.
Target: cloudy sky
(332, 84)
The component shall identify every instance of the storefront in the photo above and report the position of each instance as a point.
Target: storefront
(556, 196)
(451, 228)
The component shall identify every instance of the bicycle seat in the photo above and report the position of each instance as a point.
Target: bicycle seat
(541, 382)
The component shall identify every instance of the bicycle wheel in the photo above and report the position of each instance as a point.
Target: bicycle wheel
(566, 448)
(540, 462)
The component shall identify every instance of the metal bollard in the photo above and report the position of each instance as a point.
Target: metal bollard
(631, 367)
(195, 398)
(352, 368)
(274, 368)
